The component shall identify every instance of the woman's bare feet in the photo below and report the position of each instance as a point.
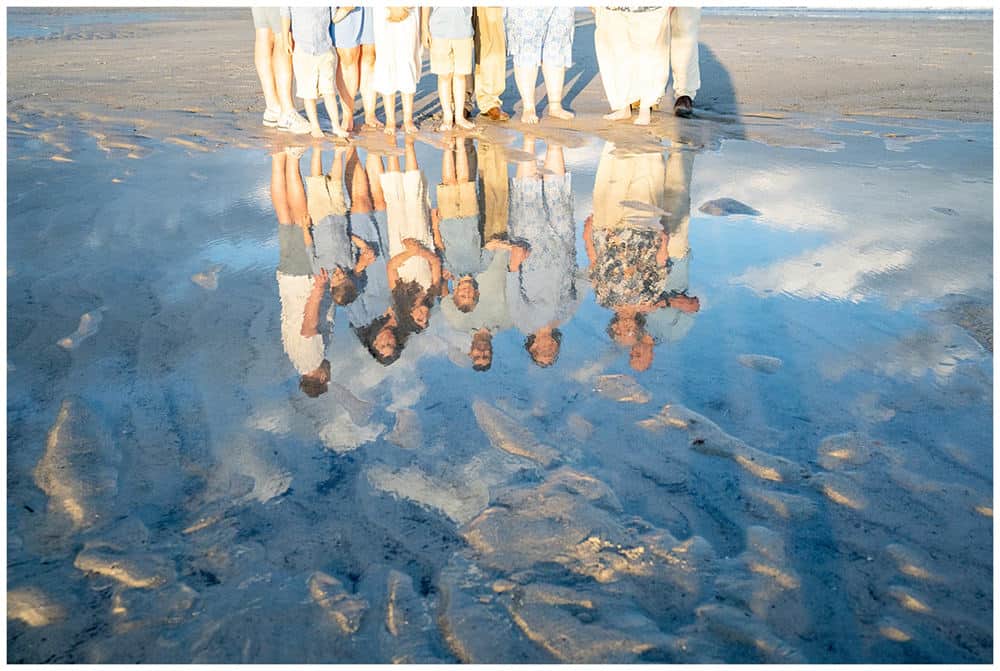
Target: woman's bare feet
(445, 125)
(529, 116)
(558, 112)
(390, 126)
(619, 115)
(316, 132)
(464, 123)
(643, 118)
(409, 126)
(372, 122)
(339, 132)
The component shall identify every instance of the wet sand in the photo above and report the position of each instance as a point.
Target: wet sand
(903, 68)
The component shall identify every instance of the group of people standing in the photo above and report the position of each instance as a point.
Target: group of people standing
(343, 51)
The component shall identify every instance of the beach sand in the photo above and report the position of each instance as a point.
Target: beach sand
(903, 68)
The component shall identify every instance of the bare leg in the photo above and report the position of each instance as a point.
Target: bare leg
(348, 76)
(411, 154)
(389, 105)
(554, 161)
(554, 76)
(461, 162)
(313, 117)
(529, 167)
(458, 88)
(279, 197)
(373, 166)
(448, 166)
(408, 125)
(316, 162)
(262, 49)
(447, 108)
(367, 90)
(281, 63)
(526, 77)
(296, 192)
(331, 111)
(357, 184)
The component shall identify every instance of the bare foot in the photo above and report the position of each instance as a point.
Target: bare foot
(464, 124)
(445, 125)
(558, 112)
(643, 118)
(348, 124)
(529, 116)
(339, 132)
(409, 127)
(316, 132)
(372, 122)
(390, 128)
(618, 115)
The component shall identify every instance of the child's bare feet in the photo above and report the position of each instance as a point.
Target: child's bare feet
(339, 132)
(390, 125)
(464, 124)
(619, 115)
(316, 132)
(409, 126)
(529, 116)
(445, 125)
(558, 112)
(372, 122)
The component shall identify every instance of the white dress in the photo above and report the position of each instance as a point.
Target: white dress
(397, 52)
(407, 207)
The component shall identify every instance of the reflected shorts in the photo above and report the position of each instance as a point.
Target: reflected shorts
(451, 56)
(267, 17)
(314, 75)
(457, 200)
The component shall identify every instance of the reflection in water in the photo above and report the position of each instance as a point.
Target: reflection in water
(489, 434)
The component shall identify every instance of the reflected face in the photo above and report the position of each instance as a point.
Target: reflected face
(640, 358)
(545, 349)
(385, 342)
(465, 293)
(420, 315)
(481, 351)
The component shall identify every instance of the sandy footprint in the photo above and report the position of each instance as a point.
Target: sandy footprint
(90, 324)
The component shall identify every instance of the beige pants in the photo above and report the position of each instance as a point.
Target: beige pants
(494, 190)
(491, 57)
(683, 41)
(632, 54)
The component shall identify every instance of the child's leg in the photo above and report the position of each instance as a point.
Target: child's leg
(444, 96)
(448, 166)
(408, 124)
(348, 74)
(526, 77)
(389, 105)
(373, 166)
(458, 89)
(331, 111)
(316, 162)
(313, 117)
(461, 162)
(357, 183)
(555, 163)
(367, 89)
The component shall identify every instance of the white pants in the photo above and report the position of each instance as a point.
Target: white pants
(632, 54)
(682, 39)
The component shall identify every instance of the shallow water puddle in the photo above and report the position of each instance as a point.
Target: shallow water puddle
(720, 393)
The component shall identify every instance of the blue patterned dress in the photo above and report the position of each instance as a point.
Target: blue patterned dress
(538, 35)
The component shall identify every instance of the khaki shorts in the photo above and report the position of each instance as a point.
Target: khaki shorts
(451, 56)
(313, 74)
(457, 200)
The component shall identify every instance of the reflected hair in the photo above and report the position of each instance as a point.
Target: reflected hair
(367, 334)
(406, 295)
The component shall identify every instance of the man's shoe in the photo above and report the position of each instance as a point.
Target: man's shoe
(495, 114)
(683, 106)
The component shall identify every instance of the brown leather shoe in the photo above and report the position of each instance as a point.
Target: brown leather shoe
(683, 106)
(495, 114)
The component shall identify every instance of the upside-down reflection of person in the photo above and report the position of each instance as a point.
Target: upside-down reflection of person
(300, 291)
(542, 294)
(414, 269)
(478, 304)
(628, 243)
